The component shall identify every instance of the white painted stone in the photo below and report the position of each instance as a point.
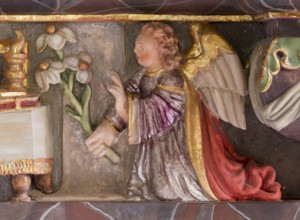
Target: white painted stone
(25, 135)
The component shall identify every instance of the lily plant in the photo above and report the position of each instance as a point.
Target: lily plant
(66, 71)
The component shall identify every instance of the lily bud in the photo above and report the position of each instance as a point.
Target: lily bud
(50, 29)
(44, 65)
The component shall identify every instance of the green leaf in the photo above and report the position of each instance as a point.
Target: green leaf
(71, 110)
(73, 113)
(75, 117)
(85, 97)
(85, 101)
(71, 97)
(64, 75)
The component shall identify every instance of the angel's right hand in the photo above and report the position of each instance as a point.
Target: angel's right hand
(117, 90)
(104, 134)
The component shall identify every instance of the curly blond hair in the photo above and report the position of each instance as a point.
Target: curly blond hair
(168, 43)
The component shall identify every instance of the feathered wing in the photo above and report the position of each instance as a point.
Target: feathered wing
(214, 69)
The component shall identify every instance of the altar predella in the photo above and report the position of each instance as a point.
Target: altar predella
(170, 108)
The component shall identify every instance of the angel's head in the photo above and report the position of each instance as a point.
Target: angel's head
(156, 47)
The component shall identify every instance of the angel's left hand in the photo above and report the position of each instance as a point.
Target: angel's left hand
(117, 90)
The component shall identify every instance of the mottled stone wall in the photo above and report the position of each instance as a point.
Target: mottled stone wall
(84, 175)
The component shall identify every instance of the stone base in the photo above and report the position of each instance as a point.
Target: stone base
(150, 210)
(75, 196)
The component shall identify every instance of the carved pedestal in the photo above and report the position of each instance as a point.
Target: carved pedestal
(26, 148)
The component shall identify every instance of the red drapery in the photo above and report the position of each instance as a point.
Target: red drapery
(230, 176)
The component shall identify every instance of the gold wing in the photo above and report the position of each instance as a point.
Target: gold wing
(214, 69)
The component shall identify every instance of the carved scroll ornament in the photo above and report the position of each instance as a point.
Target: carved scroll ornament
(268, 59)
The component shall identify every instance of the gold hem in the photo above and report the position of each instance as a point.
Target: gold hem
(193, 136)
(170, 88)
(133, 121)
(154, 73)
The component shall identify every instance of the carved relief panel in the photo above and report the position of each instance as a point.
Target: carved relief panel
(127, 121)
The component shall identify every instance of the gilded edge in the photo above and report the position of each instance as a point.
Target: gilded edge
(133, 121)
(124, 17)
(130, 118)
(26, 66)
(148, 17)
(276, 15)
(170, 88)
(271, 63)
(194, 138)
(27, 166)
(265, 80)
(207, 45)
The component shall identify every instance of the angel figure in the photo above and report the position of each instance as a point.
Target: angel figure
(171, 112)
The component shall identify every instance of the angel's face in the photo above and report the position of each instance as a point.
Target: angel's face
(147, 52)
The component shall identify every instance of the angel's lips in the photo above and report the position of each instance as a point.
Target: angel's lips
(143, 58)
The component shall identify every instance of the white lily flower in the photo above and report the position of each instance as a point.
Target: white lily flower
(48, 73)
(56, 39)
(80, 64)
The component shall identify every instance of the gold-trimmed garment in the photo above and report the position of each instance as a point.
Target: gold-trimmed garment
(134, 136)
(170, 88)
(193, 136)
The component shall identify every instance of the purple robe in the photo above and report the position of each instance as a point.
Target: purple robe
(162, 168)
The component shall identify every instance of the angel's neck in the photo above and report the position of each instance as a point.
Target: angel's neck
(153, 73)
(154, 68)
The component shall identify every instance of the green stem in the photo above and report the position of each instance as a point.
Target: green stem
(81, 107)
(60, 54)
(71, 97)
(111, 154)
(85, 103)
(86, 127)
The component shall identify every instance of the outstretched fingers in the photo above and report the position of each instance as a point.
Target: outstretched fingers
(116, 79)
(115, 91)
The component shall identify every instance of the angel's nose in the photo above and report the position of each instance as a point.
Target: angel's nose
(137, 50)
